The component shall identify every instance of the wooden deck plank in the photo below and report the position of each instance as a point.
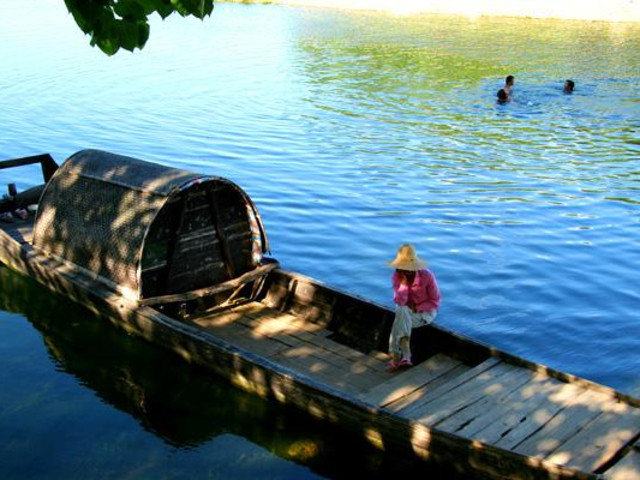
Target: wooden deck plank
(320, 351)
(281, 338)
(515, 429)
(448, 386)
(233, 327)
(410, 380)
(319, 371)
(331, 351)
(266, 322)
(376, 361)
(304, 361)
(219, 320)
(275, 320)
(251, 309)
(490, 382)
(475, 378)
(288, 329)
(304, 357)
(236, 323)
(259, 315)
(328, 344)
(333, 358)
(253, 325)
(628, 468)
(344, 371)
(599, 440)
(272, 323)
(241, 336)
(515, 409)
(420, 394)
(489, 403)
(357, 361)
(565, 424)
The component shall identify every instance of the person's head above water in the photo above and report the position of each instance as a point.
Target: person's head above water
(508, 82)
(503, 97)
(569, 85)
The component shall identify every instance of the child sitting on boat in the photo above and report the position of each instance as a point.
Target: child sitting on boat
(417, 299)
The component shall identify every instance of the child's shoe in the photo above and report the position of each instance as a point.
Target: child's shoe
(405, 362)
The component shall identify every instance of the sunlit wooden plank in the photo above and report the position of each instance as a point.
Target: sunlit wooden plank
(406, 382)
(485, 383)
(515, 409)
(489, 403)
(455, 382)
(565, 424)
(419, 395)
(628, 468)
(553, 401)
(599, 440)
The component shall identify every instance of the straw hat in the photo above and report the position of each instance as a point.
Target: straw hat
(407, 259)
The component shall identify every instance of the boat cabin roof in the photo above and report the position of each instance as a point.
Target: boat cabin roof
(147, 229)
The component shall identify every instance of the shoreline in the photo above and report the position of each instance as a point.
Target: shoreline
(593, 10)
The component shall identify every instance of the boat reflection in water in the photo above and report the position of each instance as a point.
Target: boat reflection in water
(177, 402)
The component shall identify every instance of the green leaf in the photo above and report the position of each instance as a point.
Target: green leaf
(113, 24)
(128, 35)
(197, 8)
(162, 7)
(107, 45)
(129, 9)
(165, 10)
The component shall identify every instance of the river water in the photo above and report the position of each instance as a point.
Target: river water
(353, 132)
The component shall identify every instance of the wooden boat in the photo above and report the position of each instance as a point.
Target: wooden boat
(123, 373)
(179, 259)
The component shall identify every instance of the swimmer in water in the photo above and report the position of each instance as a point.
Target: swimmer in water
(568, 86)
(503, 96)
(508, 84)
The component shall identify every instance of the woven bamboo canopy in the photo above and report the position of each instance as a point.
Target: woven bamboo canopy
(147, 229)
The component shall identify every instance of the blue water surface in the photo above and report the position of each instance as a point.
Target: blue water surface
(355, 132)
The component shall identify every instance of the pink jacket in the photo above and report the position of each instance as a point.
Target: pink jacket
(423, 292)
